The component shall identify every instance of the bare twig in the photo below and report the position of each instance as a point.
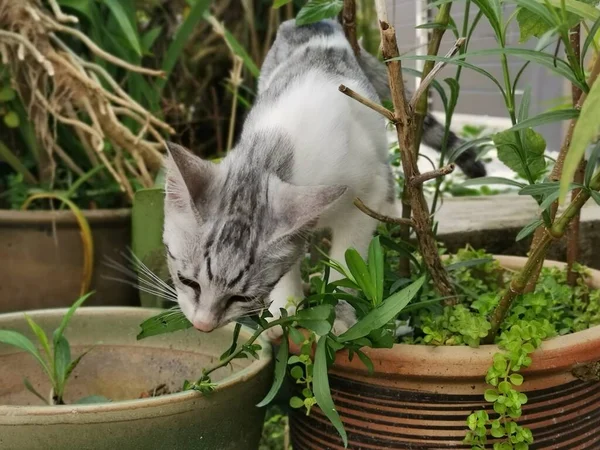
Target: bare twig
(382, 218)
(422, 178)
(424, 85)
(367, 102)
(413, 195)
(349, 23)
(101, 53)
(60, 16)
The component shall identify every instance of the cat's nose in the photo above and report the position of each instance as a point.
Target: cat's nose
(205, 327)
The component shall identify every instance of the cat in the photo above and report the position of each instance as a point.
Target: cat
(235, 232)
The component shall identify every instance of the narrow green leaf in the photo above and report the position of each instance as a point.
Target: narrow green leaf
(491, 10)
(316, 10)
(540, 188)
(528, 229)
(456, 152)
(15, 339)
(590, 38)
(366, 361)
(524, 106)
(596, 196)
(376, 268)
(31, 389)
(165, 322)
(546, 118)
(16, 164)
(492, 180)
(62, 360)
(359, 270)
(585, 131)
(240, 51)
(548, 200)
(181, 39)
(384, 313)
(281, 361)
(583, 10)
(322, 391)
(42, 338)
(591, 164)
(67, 317)
(547, 60)
(128, 28)
(149, 38)
(75, 363)
(234, 340)
(455, 60)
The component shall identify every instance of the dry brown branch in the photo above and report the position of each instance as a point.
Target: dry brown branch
(367, 102)
(406, 138)
(349, 23)
(55, 83)
(53, 25)
(441, 172)
(60, 16)
(381, 217)
(424, 85)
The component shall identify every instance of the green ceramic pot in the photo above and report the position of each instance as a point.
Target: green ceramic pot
(121, 368)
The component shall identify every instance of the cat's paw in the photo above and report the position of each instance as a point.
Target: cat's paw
(274, 334)
(345, 317)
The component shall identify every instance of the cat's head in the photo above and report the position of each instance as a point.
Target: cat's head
(231, 232)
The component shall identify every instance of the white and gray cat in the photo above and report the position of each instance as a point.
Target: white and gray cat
(235, 232)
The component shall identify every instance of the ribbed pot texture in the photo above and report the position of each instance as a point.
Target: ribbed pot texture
(419, 397)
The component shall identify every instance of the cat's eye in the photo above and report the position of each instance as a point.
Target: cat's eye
(190, 283)
(236, 299)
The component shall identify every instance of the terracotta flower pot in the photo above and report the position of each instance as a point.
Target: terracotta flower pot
(420, 396)
(42, 256)
(121, 368)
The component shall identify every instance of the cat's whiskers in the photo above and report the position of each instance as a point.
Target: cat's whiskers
(142, 278)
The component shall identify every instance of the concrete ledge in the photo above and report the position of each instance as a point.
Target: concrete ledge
(493, 222)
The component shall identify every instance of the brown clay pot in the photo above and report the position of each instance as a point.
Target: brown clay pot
(419, 396)
(41, 258)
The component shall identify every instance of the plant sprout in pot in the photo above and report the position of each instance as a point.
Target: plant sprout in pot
(476, 355)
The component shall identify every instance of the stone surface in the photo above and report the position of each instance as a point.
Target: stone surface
(493, 223)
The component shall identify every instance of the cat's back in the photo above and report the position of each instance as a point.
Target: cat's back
(320, 50)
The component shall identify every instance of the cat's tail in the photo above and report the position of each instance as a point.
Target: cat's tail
(433, 131)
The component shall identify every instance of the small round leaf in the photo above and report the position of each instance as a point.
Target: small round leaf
(296, 402)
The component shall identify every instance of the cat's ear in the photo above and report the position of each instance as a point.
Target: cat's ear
(188, 178)
(299, 207)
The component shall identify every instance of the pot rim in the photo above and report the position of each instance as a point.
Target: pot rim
(13, 218)
(238, 377)
(461, 362)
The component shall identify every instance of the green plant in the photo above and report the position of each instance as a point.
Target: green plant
(376, 315)
(464, 301)
(55, 359)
